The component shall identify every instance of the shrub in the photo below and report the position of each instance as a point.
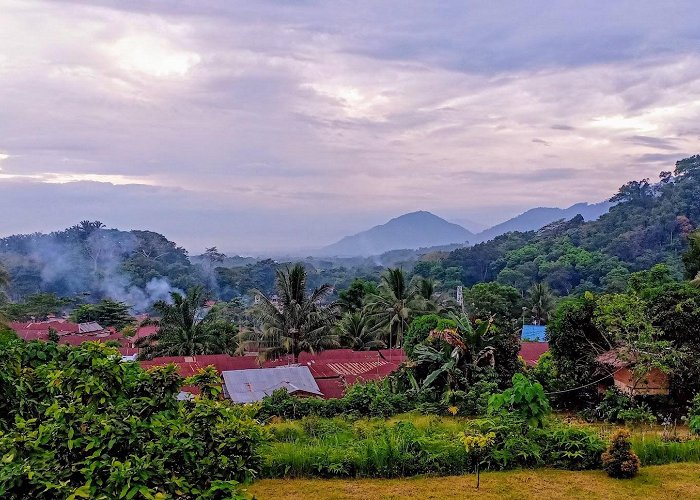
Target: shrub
(420, 327)
(84, 424)
(525, 399)
(694, 415)
(619, 461)
(617, 407)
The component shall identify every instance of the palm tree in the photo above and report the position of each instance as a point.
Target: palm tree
(186, 331)
(358, 332)
(295, 321)
(459, 351)
(542, 302)
(395, 304)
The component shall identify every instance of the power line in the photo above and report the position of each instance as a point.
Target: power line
(586, 385)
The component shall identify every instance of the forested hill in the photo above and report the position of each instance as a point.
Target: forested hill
(89, 260)
(649, 225)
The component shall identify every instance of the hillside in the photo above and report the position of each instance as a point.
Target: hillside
(649, 224)
(409, 231)
(536, 218)
(89, 261)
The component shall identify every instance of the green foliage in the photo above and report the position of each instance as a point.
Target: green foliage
(413, 445)
(693, 417)
(575, 341)
(352, 299)
(653, 450)
(107, 313)
(525, 399)
(395, 305)
(374, 399)
(545, 372)
(185, 331)
(77, 422)
(358, 331)
(619, 461)
(35, 307)
(617, 407)
(691, 258)
(53, 335)
(300, 321)
(420, 327)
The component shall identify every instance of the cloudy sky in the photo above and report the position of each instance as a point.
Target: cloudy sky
(280, 125)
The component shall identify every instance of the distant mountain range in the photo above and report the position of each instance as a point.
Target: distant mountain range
(535, 218)
(423, 229)
(409, 231)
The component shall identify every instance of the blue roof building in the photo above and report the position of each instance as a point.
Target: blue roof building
(534, 333)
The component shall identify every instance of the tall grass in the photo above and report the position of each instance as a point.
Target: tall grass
(652, 450)
(339, 447)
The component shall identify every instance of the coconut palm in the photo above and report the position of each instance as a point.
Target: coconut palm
(185, 330)
(296, 321)
(395, 304)
(358, 332)
(542, 303)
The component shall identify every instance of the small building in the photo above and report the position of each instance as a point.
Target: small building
(621, 362)
(90, 327)
(530, 352)
(534, 333)
(248, 386)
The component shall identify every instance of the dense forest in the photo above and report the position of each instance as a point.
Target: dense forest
(650, 224)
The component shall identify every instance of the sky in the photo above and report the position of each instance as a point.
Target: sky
(284, 125)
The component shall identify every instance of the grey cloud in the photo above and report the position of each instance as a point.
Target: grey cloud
(668, 159)
(653, 142)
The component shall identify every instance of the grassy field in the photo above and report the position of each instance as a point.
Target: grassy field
(664, 481)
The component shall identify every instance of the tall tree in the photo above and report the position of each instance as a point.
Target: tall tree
(395, 304)
(358, 332)
(691, 258)
(542, 303)
(185, 329)
(295, 320)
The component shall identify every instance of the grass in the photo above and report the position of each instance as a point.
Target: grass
(665, 481)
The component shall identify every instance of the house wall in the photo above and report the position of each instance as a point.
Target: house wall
(654, 382)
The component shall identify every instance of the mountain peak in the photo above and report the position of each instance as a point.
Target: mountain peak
(408, 231)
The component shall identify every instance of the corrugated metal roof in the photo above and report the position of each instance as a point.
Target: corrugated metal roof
(247, 386)
(534, 332)
(89, 327)
(531, 351)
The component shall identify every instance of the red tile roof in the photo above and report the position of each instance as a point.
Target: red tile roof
(531, 351)
(333, 370)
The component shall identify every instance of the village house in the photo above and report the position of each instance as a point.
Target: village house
(622, 363)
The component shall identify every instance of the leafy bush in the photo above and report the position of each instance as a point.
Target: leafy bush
(82, 423)
(570, 448)
(525, 399)
(619, 461)
(617, 407)
(367, 399)
(694, 415)
(420, 327)
(545, 372)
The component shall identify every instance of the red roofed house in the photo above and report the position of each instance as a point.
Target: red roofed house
(531, 351)
(622, 362)
(333, 370)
